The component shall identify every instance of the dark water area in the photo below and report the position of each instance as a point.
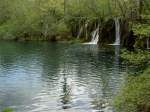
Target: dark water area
(57, 77)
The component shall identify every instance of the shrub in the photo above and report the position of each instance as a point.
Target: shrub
(135, 96)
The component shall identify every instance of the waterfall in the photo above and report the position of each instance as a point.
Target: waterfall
(117, 26)
(117, 30)
(95, 37)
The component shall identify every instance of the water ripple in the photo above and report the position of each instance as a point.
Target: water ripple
(47, 77)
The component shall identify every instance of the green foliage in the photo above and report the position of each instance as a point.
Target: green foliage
(45, 18)
(28, 18)
(137, 58)
(7, 110)
(141, 27)
(135, 96)
(88, 8)
(141, 30)
(58, 28)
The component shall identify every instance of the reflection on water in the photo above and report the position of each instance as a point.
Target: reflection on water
(48, 77)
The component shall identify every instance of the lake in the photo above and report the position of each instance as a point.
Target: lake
(59, 77)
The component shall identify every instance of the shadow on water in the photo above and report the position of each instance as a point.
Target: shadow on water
(52, 77)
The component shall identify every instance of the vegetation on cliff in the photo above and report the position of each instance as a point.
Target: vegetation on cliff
(68, 19)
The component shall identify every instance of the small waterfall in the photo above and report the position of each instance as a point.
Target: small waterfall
(95, 37)
(117, 25)
(117, 28)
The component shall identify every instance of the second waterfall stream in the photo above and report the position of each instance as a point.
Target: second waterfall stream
(117, 32)
(117, 25)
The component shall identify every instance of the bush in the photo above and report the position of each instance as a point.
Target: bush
(137, 58)
(135, 96)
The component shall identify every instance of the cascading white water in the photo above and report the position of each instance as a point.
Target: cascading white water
(95, 37)
(117, 30)
(117, 26)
